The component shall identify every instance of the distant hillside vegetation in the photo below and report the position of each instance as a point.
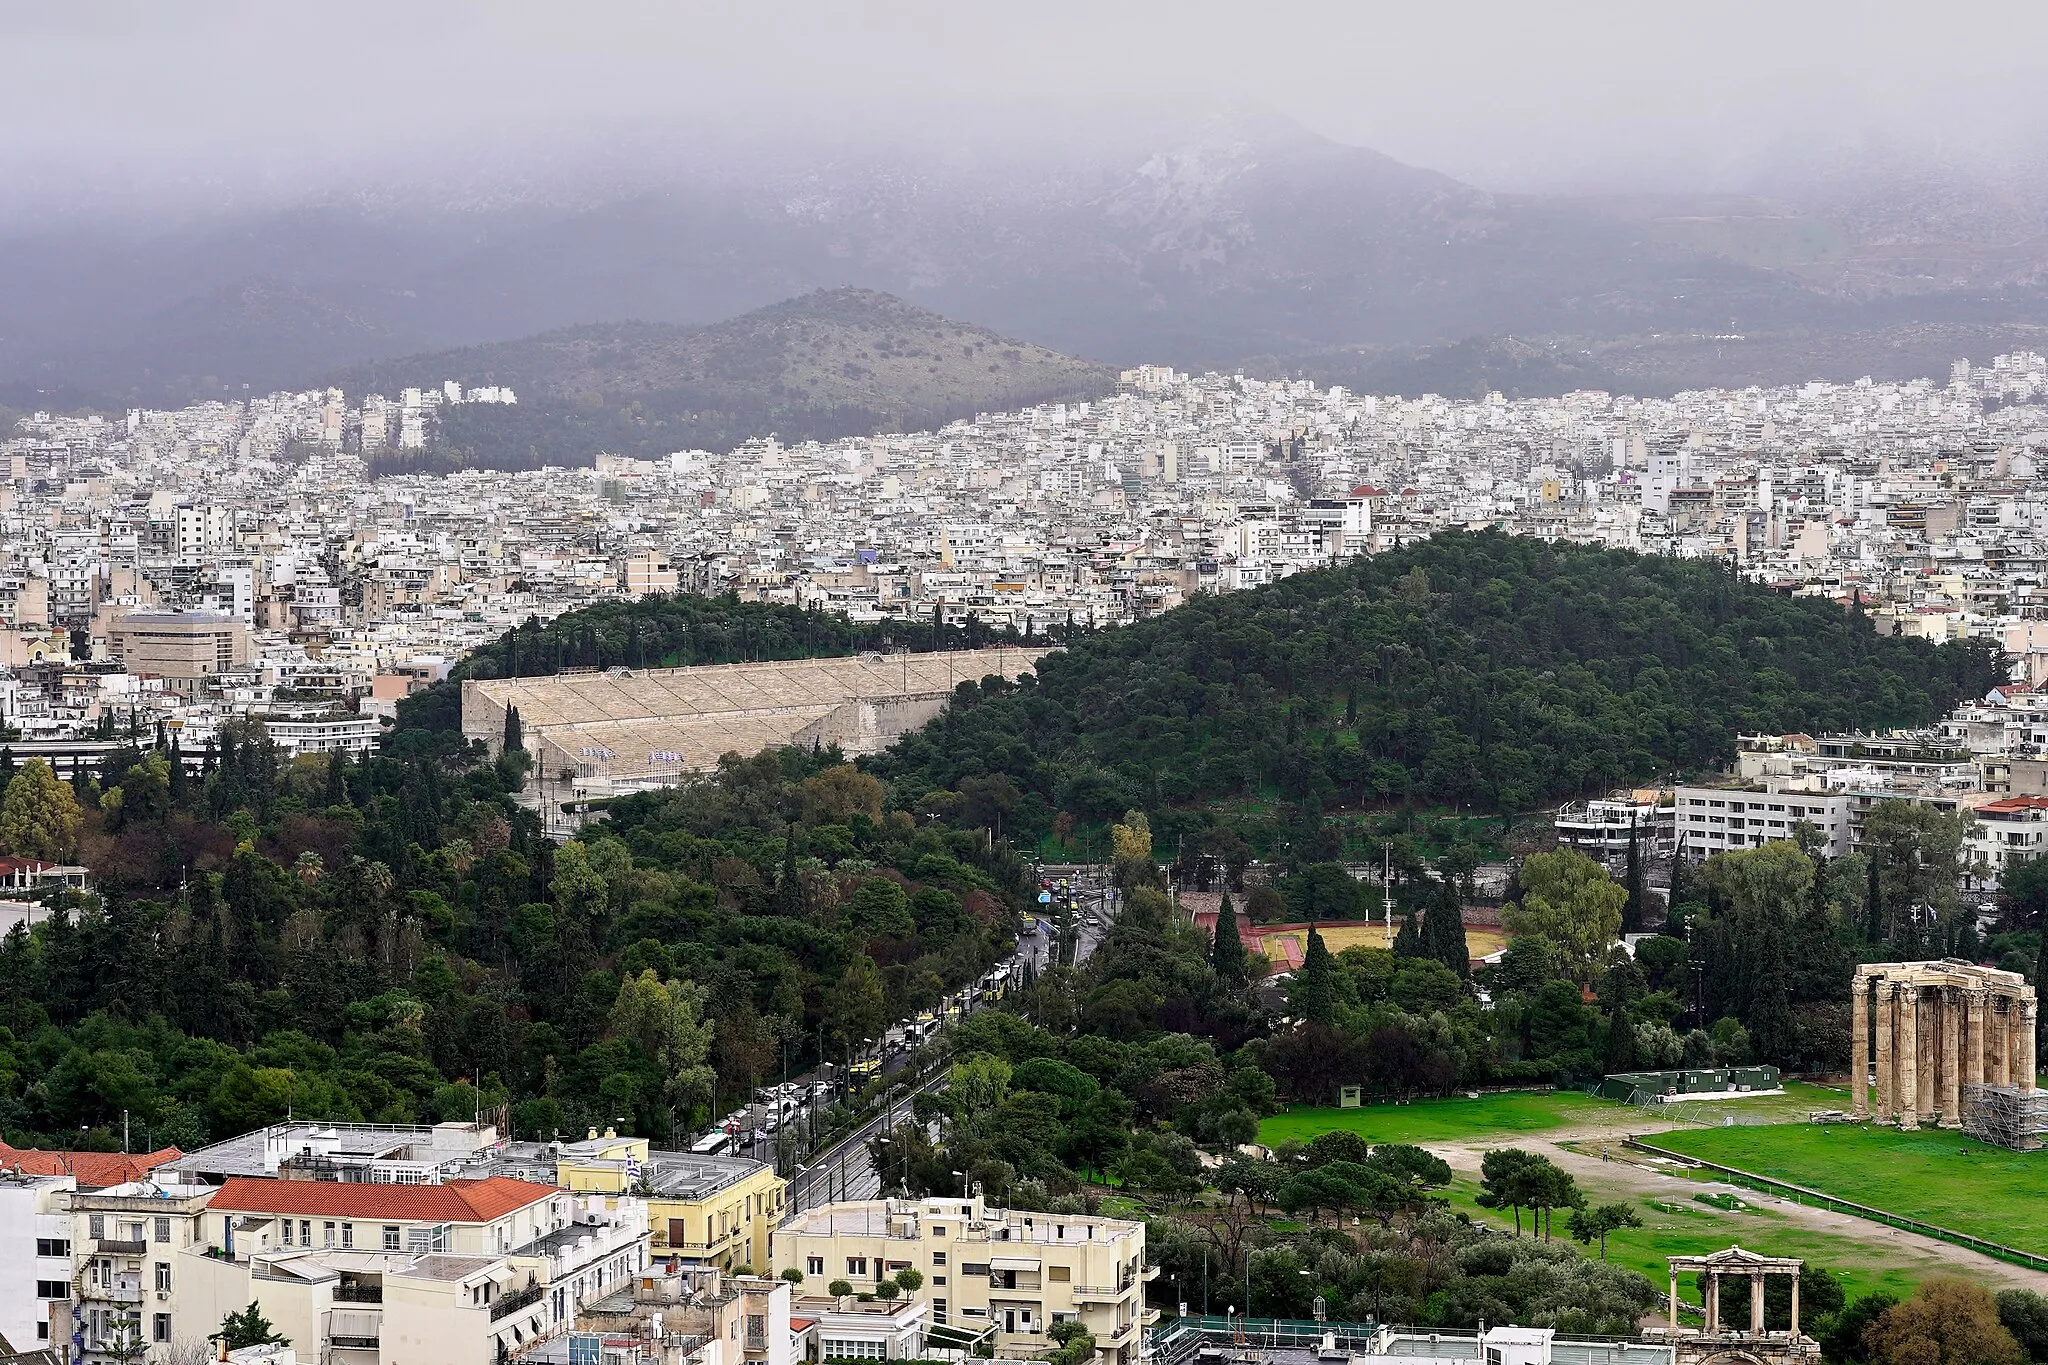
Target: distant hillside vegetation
(833, 363)
(1479, 671)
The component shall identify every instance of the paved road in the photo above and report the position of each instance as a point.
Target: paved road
(845, 1171)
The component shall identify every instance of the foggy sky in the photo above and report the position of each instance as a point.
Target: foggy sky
(242, 94)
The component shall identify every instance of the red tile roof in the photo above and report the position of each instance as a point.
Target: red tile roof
(457, 1201)
(94, 1170)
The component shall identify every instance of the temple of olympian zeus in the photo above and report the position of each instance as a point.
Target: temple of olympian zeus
(1953, 1045)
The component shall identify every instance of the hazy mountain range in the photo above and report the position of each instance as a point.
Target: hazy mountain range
(1240, 242)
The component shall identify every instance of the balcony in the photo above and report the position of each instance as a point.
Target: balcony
(358, 1292)
(1100, 1293)
(512, 1303)
(107, 1246)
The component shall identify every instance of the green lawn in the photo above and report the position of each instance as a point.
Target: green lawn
(1937, 1177)
(1452, 1120)
(1679, 1227)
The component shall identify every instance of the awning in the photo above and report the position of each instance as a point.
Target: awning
(1013, 1263)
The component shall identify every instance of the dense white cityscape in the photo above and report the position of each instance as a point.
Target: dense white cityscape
(229, 557)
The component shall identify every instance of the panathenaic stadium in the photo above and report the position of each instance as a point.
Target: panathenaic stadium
(630, 728)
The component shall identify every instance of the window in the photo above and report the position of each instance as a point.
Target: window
(938, 1258)
(327, 1234)
(814, 1265)
(390, 1237)
(131, 1232)
(96, 1225)
(969, 1268)
(53, 1246)
(938, 1279)
(856, 1265)
(286, 1234)
(160, 1327)
(348, 1235)
(305, 1232)
(53, 1289)
(939, 1311)
(163, 1277)
(1059, 1273)
(163, 1230)
(846, 1348)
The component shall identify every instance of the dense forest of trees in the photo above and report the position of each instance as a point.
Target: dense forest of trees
(1482, 671)
(393, 940)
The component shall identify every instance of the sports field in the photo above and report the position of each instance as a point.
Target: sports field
(1937, 1177)
(1287, 945)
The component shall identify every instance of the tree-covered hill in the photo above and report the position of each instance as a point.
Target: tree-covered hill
(1476, 670)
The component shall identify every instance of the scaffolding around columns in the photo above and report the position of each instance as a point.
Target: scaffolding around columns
(2006, 1116)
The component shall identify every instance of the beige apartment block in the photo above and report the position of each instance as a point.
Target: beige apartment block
(1017, 1273)
(181, 647)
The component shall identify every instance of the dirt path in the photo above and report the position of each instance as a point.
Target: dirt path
(1631, 1173)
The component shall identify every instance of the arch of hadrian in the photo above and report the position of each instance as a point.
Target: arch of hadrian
(1943, 1036)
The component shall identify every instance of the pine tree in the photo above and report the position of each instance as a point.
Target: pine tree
(1315, 991)
(1226, 949)
(1632, 880)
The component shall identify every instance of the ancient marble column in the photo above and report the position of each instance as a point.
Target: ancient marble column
(1859, 1049)
(1674, 1300)
(1756, 1303)
(1999, 1036)
(1795, 1305)
(1713, 1304)
(2026, 1045)
(1909, 1057)
(1949, 1001)
(1973, 1045)
(1887, 1022)
(1927, 1080)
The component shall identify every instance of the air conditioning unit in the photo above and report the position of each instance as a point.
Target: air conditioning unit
(163, 1296)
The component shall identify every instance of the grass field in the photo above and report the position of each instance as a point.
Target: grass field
(1681, 1227)
(1937, 1177)
(1452, 1120)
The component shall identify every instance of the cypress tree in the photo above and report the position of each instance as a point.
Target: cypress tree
(7, 768)
(1408, 940)
(1873, 898)
(177, 773)
(1772, 1029)
(1621, 1043)
(1443, 931)
(1315, 992)
(515, 730)
(1226, 950)
(2041, 981)
(1632, 879)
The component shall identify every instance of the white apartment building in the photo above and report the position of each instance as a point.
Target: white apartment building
(464, 1271)
(1017, 1273)
(35, 1246)
(1714, 820)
